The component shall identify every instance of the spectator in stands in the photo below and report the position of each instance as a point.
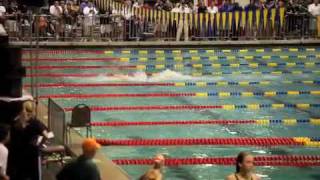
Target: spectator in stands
(70, 16)
(83, 5)
(244, 168)
(2, 19)
(75, 6)
(213, 8)
(183, 25)
(314, 10)
(251, 6)
(226, 6)
(4, 139)
(138, 4)
(158, 5)
(202, 8)
(167, 5)
(11, 19)
(155, 172)
(90, 13)
(83, 168)
(56, 12)
(26, 134)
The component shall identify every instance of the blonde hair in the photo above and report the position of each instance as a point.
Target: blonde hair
(28, 106)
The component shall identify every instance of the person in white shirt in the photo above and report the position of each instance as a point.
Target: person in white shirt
(2, 19)
(213, 9)
(4, 139)
(184, 11)
(56, 13)
(314, 9)
(89, 18)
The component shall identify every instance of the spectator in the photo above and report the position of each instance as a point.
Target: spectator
(167, 5)
(83, 5)
(251, 6)
(226, 6)
(25, 134)
(75, 6)
(2, 19)
(56, 12)
(314, 10)
(202, 8)
(213, 8)
(89, 18)
(270, 4)
(244, 168)
(4, 139)
(83, 168)
(63, 6)
(155, 172)
(138, 4)
(158, 5)
(70, 18)
(183, 25)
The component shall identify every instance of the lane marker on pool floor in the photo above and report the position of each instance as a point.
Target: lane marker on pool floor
(200, 107)
(175, 84)
(265, 122)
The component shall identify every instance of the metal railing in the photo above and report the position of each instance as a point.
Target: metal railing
(167, 27)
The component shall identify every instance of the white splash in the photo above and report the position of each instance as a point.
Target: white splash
(166, 75)
(260, 152)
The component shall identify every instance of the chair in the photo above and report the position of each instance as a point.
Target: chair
(80, 118)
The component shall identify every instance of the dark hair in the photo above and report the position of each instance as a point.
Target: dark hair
(241, 156)
(4, 132)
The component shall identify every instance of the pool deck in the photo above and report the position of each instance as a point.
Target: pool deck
(108, 170)
(126, 44)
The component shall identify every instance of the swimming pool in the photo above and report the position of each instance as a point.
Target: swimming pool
(273, 83)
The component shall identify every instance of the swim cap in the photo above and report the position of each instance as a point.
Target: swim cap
(159, 158)
(90, 144)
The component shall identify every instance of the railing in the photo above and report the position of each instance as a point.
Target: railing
(57, 122)
(127, 24)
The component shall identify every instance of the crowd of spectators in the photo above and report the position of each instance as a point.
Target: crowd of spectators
(72, 18)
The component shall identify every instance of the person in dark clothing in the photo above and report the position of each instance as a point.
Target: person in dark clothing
(24, 147)
(83, 168)
(202, 8)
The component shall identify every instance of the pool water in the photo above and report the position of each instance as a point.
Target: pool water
(298, 65)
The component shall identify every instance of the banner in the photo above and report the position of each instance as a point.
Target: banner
(243, 19)
(265, 18)
(282, 11)
(212, 20)
(201, 20)
(191, 20)
(207, 20)
(230, 15)
(218, 20)
(236, 14)
(273, 17)
(258, 16)
(250, 14)
(224, 14)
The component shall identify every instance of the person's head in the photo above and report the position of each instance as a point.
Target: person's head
(62, 3)
(4, 133)
(158, 161)
(252, 1)
(28, 109)
(56, 3)
(281, 3)
(90, 147)
(244, 162)
(69, 5)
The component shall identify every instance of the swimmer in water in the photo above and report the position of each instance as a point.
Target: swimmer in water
(155, 172)
(244, 168)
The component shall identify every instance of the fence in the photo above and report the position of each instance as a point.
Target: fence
(57, 122)
(128, 23)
